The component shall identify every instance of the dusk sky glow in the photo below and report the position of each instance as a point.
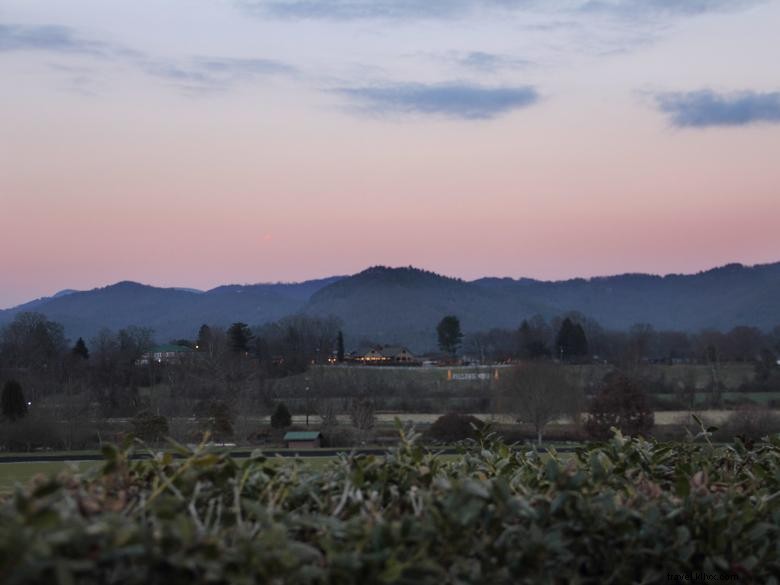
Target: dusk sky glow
(203, 142)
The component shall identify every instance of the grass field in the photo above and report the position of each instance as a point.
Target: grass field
(13, 473)
(704, 397)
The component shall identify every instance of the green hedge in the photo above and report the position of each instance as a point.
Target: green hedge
(625, 511)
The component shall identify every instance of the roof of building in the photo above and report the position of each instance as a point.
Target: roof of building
(394, 350)
(301, 435)
(171, 348)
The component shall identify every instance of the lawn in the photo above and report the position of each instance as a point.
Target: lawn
(703, 398)
(13, 473)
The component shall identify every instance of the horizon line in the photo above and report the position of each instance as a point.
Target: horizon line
(194, 290)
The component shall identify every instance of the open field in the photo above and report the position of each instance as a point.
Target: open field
(390, 382)
(731, 375)
(423, 419)
(13, 473)
(702, 398)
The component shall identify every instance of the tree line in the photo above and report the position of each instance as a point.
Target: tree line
(231, 376)
(574, 337)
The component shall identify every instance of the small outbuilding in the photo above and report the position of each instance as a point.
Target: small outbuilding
(303, 439)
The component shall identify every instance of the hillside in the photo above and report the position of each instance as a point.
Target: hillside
(404, 304)
(171, 312)
(719, 298)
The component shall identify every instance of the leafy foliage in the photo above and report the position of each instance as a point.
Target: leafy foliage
(454, 426)
(624, 511)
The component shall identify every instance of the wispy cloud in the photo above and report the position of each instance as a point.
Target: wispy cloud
(213, 73)
(358, 9)
(54, 38)
(78, 79)
(490, 62)
(442, 9)
(705, 108)
(456, 100)
(634, 8)
(193, 74)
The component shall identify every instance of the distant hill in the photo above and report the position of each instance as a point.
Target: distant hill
(719, 298)
(171, 312)
(404, 304)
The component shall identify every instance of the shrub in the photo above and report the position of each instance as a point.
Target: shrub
(361, 413)
(150, 427)
(340, 437)
(625, 511)
(281, 417)
(620, 404)
(215, 417)
(38, 430)
(453, 427)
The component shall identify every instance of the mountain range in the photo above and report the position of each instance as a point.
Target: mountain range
(403, 305)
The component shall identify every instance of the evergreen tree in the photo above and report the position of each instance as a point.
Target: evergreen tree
(531, 341)
(239, 336)
(562, 340)
(281, 417)
(579, 341)
(449, 333)
(80, 349)
(12, 403)
(205, 338)
(340, 347)
(571, 342)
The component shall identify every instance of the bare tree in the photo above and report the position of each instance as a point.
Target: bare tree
(361, 412)
(328, 411)
(538, 393)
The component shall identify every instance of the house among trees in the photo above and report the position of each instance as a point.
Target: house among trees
(303, 439)
(168, 353)
(387, 355)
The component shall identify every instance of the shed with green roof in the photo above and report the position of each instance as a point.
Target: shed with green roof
(303, 439)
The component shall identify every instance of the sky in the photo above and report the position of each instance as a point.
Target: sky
(204, 142)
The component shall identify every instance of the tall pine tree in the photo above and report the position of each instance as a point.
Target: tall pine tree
(449, 334)
(239, 336)
(205, 338)
(80, 349)
(340, 347)
(12, 403)
(571, 342)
